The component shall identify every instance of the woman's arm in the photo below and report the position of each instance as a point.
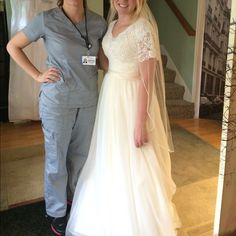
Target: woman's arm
(102, 60)
(15, 48)
(147, 72)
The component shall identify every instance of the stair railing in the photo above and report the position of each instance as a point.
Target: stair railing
(187, 27)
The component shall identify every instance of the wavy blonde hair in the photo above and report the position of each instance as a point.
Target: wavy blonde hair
(142, 10)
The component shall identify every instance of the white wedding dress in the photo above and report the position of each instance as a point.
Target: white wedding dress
(124, 190)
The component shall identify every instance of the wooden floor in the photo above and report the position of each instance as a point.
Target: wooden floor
(207, 130)
(17, 174)
(30, 133)
(20, 135)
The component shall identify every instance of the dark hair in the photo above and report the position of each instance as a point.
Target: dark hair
(60, 3)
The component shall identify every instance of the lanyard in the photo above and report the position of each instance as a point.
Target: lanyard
(84, 37)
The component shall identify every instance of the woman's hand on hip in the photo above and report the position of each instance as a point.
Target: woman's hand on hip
(52, 75)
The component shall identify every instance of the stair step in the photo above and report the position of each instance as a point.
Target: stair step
(169, 75)
(180, 108)
(174, 91)
(177, 102)
(164, 60)
(176, 106)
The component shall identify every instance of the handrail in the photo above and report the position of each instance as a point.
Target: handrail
(187, 27)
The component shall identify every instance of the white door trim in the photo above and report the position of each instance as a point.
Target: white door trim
(197, 70)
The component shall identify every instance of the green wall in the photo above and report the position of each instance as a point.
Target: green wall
(179, 45)
(8, 8)
(1, 5)
(96, 6)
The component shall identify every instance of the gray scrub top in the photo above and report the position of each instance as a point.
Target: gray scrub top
(77, 86)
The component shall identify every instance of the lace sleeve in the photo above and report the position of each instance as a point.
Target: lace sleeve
(145, 42)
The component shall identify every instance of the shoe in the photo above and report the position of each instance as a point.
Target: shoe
(69, 202)
(58, 226)
(49, 218)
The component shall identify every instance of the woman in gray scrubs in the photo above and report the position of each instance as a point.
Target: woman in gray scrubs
(72, 35)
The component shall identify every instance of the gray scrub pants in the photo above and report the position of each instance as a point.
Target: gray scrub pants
(67, 135)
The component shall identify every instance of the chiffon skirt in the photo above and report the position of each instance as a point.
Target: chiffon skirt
(123, 190)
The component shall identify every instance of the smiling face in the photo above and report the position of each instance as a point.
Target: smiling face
(125, 7)
(73, 2)
(122, 7)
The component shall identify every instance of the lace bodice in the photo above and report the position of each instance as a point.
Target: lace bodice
(133, 45)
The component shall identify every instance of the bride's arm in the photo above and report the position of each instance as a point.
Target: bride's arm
(147, 71)
(102, 60)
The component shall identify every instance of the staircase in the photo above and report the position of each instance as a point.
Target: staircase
(177, 107)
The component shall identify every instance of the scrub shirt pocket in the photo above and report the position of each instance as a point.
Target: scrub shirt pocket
(91, 71)
(69, 74)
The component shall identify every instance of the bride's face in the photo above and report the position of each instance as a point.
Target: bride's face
(125, 6)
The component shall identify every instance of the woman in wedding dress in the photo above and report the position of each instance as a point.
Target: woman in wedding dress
(125, 187)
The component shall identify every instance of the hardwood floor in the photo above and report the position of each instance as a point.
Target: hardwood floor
(22, 178)
(30, 133)
(20, 135)
(207, 130)
(21, 163)
(19, 173)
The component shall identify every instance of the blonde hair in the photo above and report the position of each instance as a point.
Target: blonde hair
(142, 10)
(137, 12)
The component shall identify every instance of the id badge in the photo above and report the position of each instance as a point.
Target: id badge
(88, 60)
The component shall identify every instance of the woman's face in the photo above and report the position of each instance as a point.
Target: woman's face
(125, 7)
(73, 2)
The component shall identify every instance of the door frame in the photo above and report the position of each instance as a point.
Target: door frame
(198, 51)
(227, 164)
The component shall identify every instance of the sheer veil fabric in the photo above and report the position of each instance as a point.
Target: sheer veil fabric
(155, 85)
(23, 90)
(122, 189)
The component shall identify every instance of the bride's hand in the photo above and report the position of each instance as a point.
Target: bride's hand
(140, 135)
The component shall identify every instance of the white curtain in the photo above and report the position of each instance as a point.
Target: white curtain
(23, 90)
